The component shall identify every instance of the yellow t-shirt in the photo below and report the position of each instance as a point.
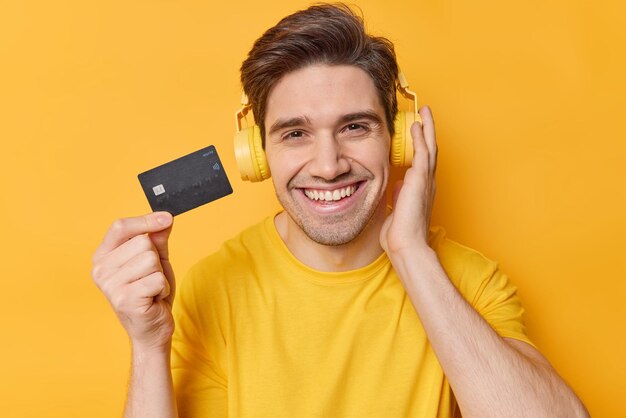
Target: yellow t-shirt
(259, 334)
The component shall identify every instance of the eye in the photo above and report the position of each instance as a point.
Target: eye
(293, 135)
(356, 128)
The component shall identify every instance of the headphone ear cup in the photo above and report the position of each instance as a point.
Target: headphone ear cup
(401, 152)
(250, 155)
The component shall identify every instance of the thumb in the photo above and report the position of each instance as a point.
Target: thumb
(160, 238)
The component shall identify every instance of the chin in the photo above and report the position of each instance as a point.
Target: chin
(333, 238)
(334, 230)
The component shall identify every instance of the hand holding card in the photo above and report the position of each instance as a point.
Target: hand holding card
(132, 269)
(186, 183)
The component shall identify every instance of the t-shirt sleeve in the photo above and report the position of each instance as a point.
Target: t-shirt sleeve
(483, 285)
(198, 351)
(497, 301)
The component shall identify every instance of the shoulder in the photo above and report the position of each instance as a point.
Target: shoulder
(234, 259)
(457, 257)
(467, 268)
(483, 285)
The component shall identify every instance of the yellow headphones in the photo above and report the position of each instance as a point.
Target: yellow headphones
(250, 155)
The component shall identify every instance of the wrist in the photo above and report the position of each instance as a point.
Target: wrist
(414, 252)
(151, 350)
(412, 262)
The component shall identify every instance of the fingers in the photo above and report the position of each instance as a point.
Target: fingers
(140, 265)
(140, 294)
(429, 135)
(124, 253)
(425, 158)
(124, 229)
(153, 286)
(132, 269)
(138, 285)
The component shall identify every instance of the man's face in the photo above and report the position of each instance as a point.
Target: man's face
(327, 145)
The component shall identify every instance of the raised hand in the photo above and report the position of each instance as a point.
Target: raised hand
(406, 228)
(132, 268)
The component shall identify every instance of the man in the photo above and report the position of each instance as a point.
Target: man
(337, 306)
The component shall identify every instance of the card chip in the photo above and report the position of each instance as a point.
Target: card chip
(158, 190)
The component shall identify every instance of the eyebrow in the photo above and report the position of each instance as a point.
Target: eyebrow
(305, 120)
(289, 123)
(366, 114)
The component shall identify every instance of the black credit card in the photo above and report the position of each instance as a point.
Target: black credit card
(186, 183)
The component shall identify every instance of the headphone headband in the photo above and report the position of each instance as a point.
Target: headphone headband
(403, 88)
(242, 112)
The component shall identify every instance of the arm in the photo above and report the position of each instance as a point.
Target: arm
(131, 267)
(150, 393)
(490, 375)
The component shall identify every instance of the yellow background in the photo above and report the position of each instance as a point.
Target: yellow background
(529, 101)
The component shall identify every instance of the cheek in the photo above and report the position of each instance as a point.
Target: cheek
(284, 165)
(374, 158)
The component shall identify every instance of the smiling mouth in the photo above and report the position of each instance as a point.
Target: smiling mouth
(332, 195)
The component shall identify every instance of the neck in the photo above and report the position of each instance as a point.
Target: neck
(358, 253)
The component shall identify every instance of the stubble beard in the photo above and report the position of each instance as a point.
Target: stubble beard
(334, 230)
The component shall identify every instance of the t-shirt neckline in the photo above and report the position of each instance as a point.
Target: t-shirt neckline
(317, 276)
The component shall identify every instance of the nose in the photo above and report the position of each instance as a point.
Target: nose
(328, 161)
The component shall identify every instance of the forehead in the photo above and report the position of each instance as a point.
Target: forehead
(322, 91)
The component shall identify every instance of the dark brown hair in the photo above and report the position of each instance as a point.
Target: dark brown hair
(331, 34)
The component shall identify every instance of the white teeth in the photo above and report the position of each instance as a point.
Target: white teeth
(328, 195)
